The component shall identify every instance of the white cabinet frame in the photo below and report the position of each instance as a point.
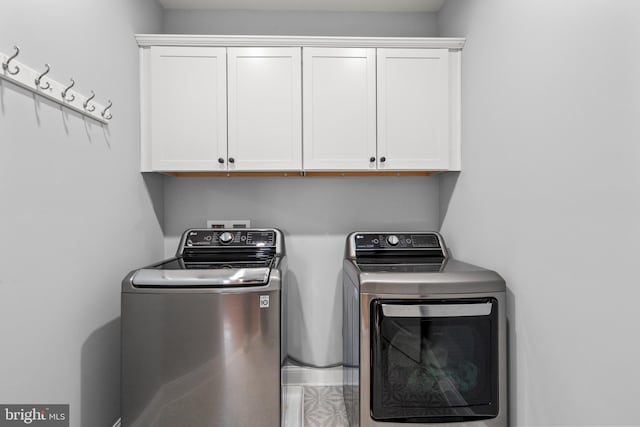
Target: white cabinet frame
(451, 47)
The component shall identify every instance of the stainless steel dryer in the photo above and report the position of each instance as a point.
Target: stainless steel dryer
(424, 335)
(203, 337)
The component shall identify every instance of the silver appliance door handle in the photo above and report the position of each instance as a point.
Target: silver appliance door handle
(436, 310)
(204, 277)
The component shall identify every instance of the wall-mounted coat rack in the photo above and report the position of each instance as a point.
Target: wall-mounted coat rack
(39, 83)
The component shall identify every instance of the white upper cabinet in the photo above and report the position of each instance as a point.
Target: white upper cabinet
(285, 104)
(413, 109)
(339, 95)
(265, 123)
(187, 108)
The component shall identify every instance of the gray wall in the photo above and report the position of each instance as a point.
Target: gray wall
(75, 212)
(549, 197)
(316, 214)
(235, 22)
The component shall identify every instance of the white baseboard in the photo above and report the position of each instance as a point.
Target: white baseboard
(294, 406)
(299, 375)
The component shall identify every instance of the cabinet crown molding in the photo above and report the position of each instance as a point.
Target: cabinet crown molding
(146, 40)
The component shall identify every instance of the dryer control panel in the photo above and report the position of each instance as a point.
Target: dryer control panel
(370, 241)
(393, 244)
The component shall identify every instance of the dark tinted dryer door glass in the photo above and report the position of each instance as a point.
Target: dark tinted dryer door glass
(434, 361)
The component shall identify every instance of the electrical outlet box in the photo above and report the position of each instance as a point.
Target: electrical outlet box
(229, 223)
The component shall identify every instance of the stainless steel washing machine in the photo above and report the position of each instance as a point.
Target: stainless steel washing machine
(424, 335)
(203, 338)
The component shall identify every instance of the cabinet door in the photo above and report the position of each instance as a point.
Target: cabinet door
(339, 94)
(265, 123)
(413, 109)
(188, 108)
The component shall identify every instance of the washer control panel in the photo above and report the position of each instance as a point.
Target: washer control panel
(390, 241)
(233, 238)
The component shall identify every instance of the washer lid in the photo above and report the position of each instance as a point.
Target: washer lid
(195, 278)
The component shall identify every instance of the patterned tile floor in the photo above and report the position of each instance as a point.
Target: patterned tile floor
(324, 407)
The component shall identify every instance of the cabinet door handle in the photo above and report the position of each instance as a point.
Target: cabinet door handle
(232, 160)
(383, 159)
(372, 159)
(220, 160)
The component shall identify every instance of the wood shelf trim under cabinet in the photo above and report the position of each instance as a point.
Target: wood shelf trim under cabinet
(205, 174)
(299, 173)
(370, 173)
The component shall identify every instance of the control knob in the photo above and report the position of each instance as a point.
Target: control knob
(393, 240)
(226, 238)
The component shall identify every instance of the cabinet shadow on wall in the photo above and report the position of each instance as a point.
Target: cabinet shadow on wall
(100, 376)
(448, 183)
(154, 184)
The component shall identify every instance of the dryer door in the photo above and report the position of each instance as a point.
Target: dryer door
(434, 360)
